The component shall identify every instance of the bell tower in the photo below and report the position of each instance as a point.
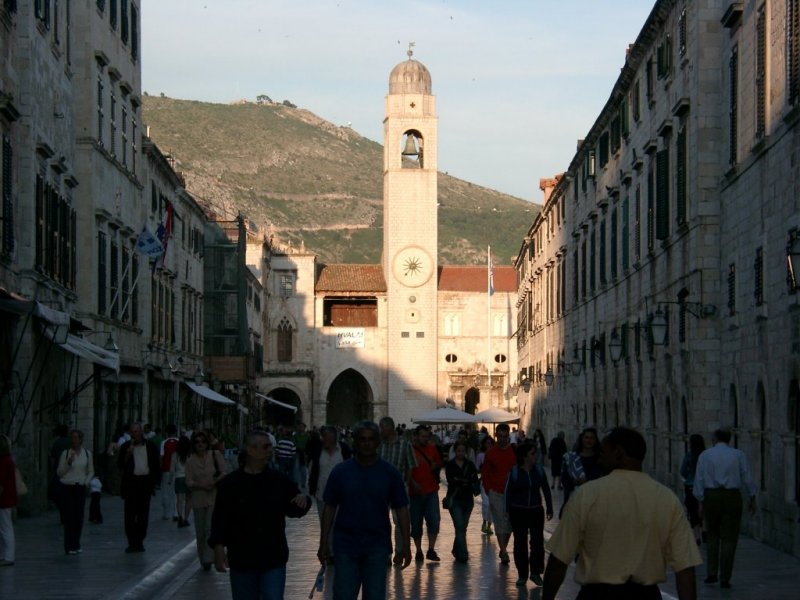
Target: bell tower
(410, 241)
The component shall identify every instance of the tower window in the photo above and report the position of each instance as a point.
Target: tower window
(411, 153)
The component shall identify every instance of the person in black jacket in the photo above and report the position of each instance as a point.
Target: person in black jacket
(249, 521)
(526, 484)
(462, 485)
(140, 466)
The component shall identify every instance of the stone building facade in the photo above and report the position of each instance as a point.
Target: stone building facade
(653, 288)
(398, 338)
(92, 333)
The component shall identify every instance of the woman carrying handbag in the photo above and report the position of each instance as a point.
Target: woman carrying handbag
(462, 485)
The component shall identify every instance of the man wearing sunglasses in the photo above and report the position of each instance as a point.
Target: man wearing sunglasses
(248, 526)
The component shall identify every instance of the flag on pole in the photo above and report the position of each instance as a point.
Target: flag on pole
(163, 233)
(148, 244)
(491, 273)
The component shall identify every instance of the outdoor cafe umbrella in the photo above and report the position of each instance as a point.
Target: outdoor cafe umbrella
(445, 416)
(495, 415)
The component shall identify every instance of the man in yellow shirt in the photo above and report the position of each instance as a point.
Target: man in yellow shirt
(626, 529)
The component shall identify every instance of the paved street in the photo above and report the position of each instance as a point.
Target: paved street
(169, 568)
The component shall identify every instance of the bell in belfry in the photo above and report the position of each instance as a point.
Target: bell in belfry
(411, 146)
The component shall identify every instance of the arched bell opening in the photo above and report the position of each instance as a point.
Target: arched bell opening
(411, 153)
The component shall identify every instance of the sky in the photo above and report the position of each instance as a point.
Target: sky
(517, 82)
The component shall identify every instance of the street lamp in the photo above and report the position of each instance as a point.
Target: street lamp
(658, 327)
(526, 384)
(548, 376)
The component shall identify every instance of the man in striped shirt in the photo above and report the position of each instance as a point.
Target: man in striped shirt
(285, 451)
(397, 451)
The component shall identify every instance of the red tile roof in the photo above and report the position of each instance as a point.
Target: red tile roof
(351, 278)
(457, 278)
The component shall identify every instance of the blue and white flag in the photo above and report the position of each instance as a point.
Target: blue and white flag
(148, 244)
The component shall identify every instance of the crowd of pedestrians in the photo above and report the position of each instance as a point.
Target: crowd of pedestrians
(621, 528)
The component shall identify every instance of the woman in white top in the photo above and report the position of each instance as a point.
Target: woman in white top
(75, 471)
(178, 471)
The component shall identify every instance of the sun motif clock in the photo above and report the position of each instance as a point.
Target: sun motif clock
(412, 266)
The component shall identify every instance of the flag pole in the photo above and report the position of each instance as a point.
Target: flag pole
(489, 319)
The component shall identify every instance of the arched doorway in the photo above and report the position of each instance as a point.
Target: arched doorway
(471, 400)
(349, 399)
(275, 414)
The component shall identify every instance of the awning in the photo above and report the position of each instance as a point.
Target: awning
(85, 349)
(14, 303)
(291, 407)
(208, 393)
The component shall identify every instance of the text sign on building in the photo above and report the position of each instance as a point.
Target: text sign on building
(350, 338)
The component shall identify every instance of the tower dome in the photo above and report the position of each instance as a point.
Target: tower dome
(410, 77)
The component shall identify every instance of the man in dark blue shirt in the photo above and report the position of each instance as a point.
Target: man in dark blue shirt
(363, 489)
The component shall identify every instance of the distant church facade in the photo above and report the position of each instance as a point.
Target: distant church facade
(399, 338)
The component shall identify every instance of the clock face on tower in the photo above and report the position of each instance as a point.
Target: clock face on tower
(412, 266)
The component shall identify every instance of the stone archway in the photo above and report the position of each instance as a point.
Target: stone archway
(275, 414)
(349, 399)
(471, 400)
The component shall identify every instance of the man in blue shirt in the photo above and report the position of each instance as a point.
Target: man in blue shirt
(721, 474)
(359, 494)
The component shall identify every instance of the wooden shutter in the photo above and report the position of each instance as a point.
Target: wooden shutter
(662, 194)
(681, 183)
(733, 114)
(8, 201)
(761, 72)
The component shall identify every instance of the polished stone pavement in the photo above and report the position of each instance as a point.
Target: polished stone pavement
(169, 568)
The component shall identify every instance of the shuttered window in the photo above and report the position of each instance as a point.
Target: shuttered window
(733, 113)
(626, 233)
(732, 289)
(284, 339)
(662, 194)
(793, 49)
(112, 14)
(651, 207)
(758, 277)
(613, 245)
(681, 176)
(592, 262)
(761, 72)
(123, 26)
(636, 100)
(8, 198)
(603, 254)
(682, 33)
(134, 33)
(102, 265)
(637, 224)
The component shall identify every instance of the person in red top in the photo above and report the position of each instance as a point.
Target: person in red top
(423, 489)
(8, 500)
(498, 463)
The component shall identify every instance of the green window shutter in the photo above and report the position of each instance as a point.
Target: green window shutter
(613, 243)
(603, 253)
(733, 114)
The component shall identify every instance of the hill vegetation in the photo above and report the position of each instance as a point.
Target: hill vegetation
(306, 181)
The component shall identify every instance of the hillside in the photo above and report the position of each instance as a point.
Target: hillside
(307, 181)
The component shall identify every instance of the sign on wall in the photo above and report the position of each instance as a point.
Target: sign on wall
(350, 338)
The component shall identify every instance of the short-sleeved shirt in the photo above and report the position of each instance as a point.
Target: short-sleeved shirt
(496, 466)
(400, 454)
(424, 473)
(363, 496)
(624, 526)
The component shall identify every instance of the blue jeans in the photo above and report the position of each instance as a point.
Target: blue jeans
(424, 507)
(258, 585)
(460, 513)
(366, 571)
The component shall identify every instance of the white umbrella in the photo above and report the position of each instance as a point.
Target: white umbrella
(495, 415)
(445, 415)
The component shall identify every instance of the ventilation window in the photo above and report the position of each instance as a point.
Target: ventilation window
(405, 334)
(451, 358)
(500, 358)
